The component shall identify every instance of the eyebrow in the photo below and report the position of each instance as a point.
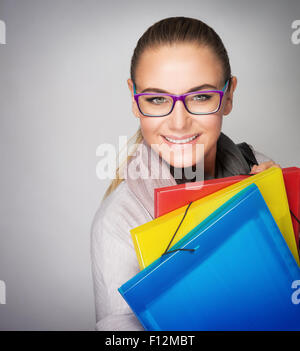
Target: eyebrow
(199, 87)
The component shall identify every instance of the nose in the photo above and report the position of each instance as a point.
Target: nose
(179, 119)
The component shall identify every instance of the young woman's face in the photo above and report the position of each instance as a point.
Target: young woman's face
(176, 70)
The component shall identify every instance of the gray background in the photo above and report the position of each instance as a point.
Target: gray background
(62, 63)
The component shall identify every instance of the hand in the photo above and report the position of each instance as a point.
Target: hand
(263, 166)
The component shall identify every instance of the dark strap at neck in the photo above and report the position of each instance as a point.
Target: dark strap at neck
(246, 154)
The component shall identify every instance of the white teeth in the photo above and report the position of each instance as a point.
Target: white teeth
(182, 141)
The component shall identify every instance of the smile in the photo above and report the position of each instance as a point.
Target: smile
(181, 141)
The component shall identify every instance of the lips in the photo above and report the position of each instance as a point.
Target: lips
(174, 137)
(186, 139)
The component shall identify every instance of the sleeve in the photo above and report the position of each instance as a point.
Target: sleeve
(113, 263)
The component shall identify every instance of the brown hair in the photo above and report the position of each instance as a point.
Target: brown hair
(168, 31)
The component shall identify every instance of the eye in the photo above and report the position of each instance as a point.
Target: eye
(201, 97)
(157, 100)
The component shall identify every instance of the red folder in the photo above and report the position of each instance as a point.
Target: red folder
(170, 198)
(291, 178)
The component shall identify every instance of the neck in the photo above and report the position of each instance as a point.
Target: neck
(209, 169)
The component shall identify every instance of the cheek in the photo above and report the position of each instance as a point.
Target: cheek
(211, 125)
(150, 128)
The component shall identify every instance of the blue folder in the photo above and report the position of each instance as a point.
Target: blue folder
(239, 277)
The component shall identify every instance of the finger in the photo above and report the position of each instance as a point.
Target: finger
(263, 166)
(269, 164)
(253, 169)
(259, 168)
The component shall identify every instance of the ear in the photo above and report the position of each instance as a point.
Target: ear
(229, 96)
(135, 109)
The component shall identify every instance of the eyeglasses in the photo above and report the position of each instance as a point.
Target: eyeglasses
(202, 102)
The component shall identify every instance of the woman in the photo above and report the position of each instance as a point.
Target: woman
(176, 55)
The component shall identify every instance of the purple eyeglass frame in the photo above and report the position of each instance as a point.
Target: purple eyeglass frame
(181, 97)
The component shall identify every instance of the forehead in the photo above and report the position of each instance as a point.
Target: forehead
(177, 68)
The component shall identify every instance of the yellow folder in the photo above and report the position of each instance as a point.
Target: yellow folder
(152, 238)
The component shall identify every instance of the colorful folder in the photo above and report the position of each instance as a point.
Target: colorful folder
(170, 198)
(239, 277)
(291, 177)
(152, 238)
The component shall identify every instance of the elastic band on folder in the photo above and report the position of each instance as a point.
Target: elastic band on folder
(191, 250)
(176, 233)
(297, 219)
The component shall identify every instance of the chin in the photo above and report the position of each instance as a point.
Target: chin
(182, 161)
(185, 157)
